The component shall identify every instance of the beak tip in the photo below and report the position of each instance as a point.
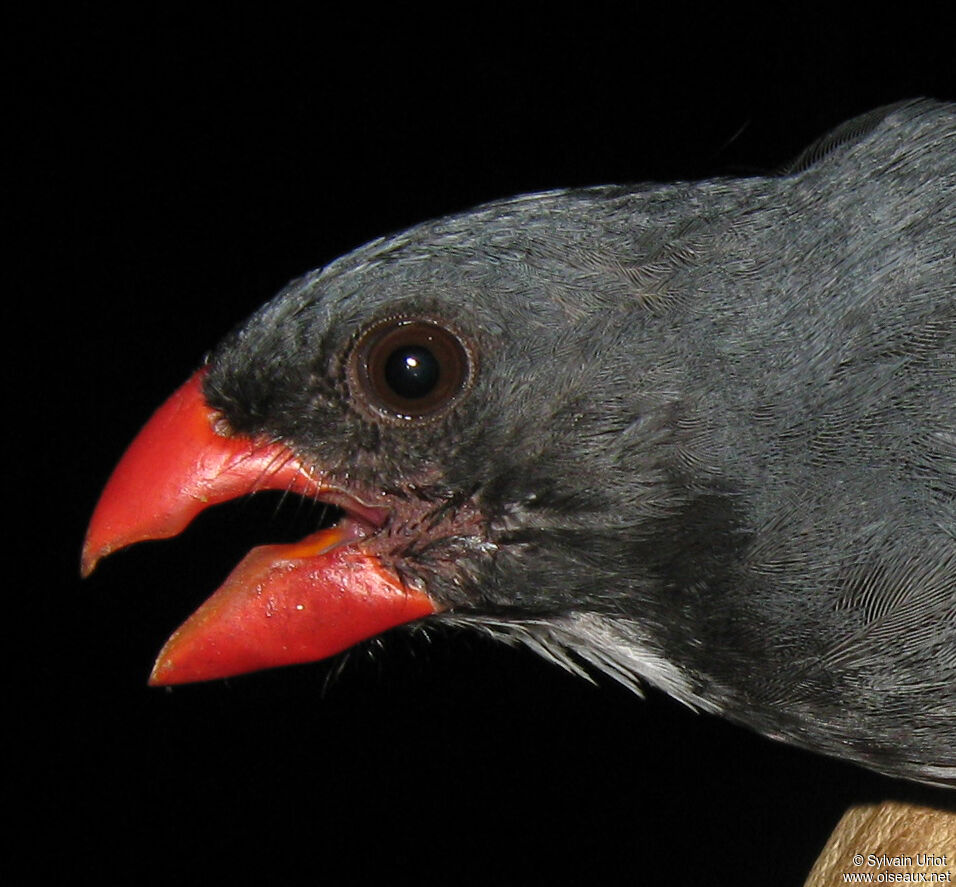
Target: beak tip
(95, 549)
(163, 673)
(88, 561)
(154, 679)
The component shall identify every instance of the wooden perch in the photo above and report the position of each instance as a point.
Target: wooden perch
(887, 841)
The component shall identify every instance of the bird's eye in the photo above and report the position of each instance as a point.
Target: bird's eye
(409, 369)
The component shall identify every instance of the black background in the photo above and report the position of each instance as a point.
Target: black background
(173, 170)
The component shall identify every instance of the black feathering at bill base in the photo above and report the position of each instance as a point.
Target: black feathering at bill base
(697, 435)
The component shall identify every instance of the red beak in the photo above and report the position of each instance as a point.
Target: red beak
(283, 604)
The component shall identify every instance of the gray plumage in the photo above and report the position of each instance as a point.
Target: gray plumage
(710, 442)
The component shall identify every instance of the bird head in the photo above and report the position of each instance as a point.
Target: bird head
(473, 404)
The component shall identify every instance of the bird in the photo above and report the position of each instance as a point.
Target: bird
(698, 436)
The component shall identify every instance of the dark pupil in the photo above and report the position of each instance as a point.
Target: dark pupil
(411, 371)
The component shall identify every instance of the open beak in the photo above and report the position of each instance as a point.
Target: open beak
(283, 604)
